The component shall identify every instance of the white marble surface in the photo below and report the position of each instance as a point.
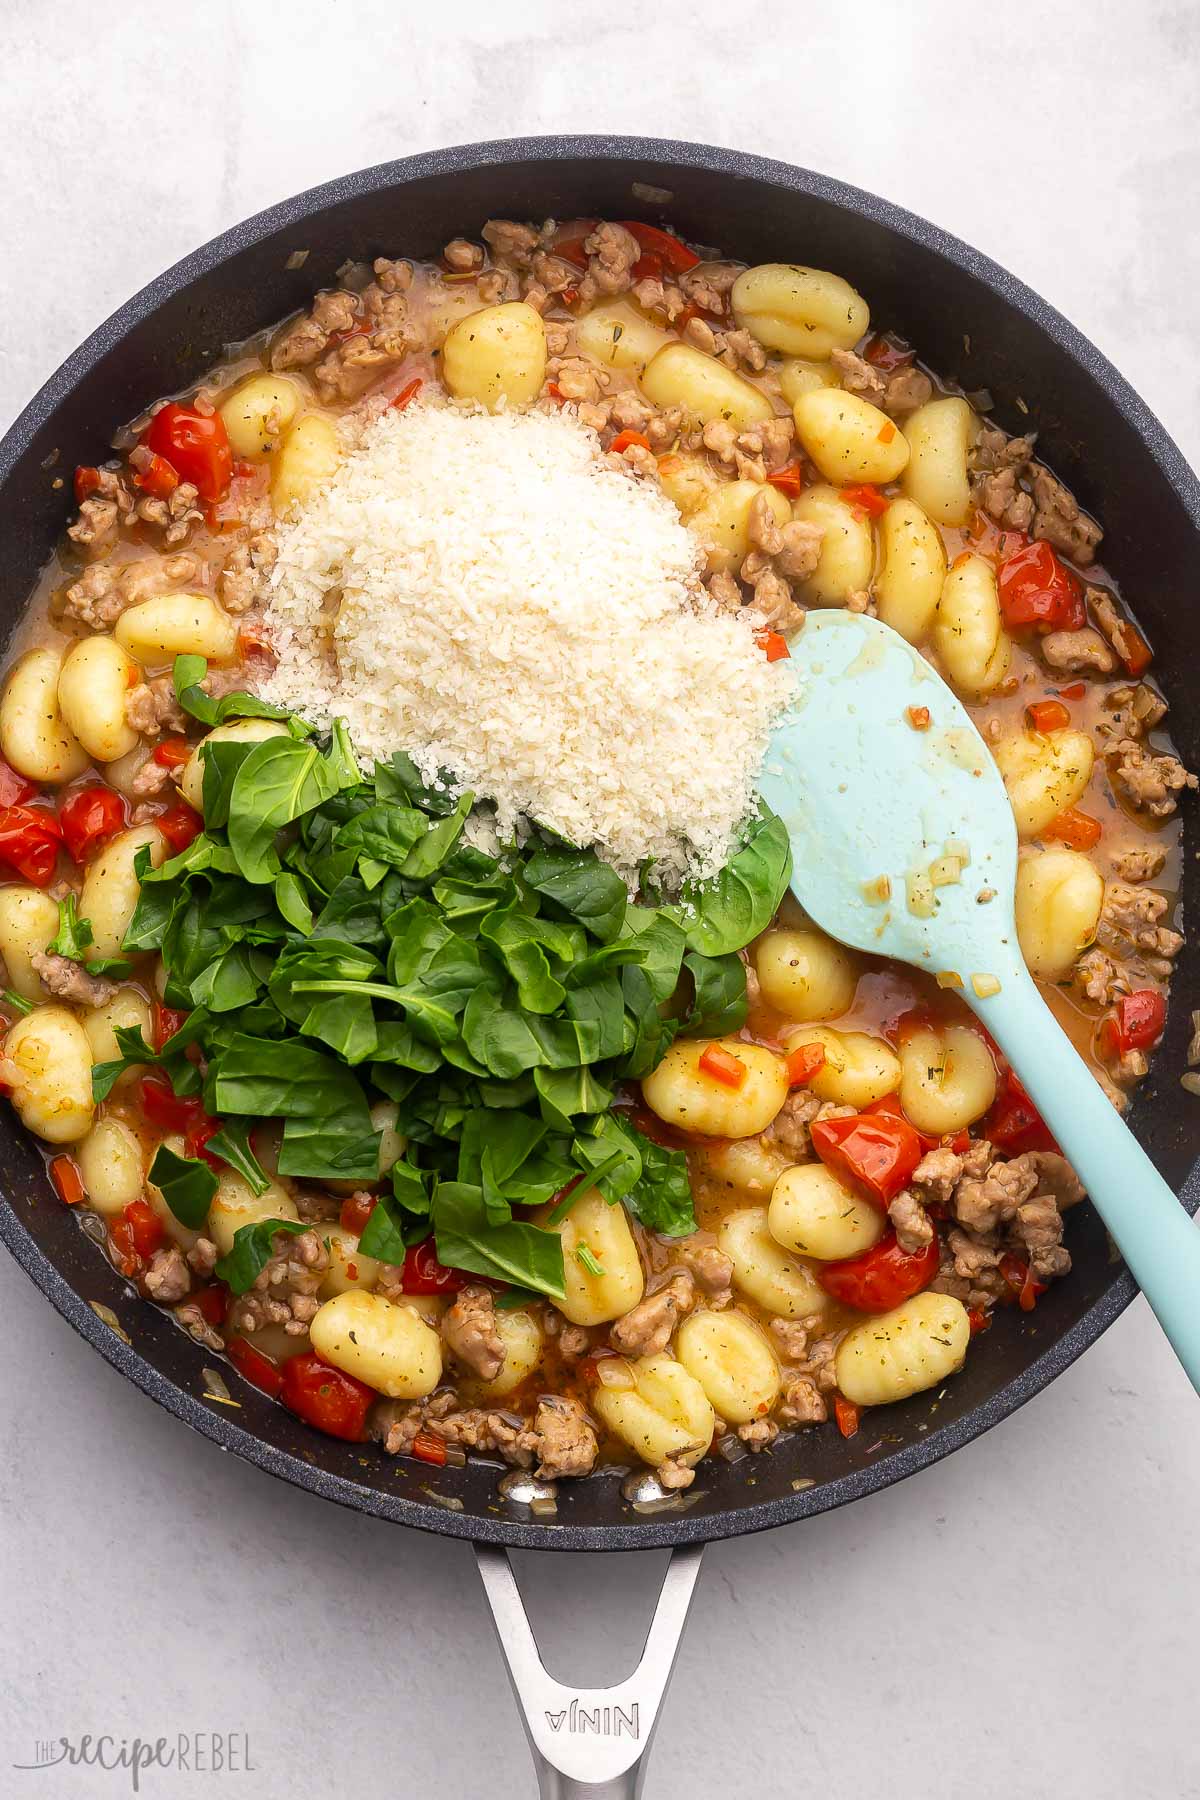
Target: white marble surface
(1019, 1620)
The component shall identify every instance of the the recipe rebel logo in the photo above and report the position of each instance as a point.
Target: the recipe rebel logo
(187, 1753)
(604, 1721)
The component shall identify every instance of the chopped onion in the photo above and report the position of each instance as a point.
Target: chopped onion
(449, 1502)
(919, 890)
(297, 259)
(109, 1318)
(948, 978)
(216, 1388)
(1190, 1082)
(944, 871)
(802, 1482)
(877, 892)
(615, 1372)
(730, 1446)
(653, 196)
(985, 986)
(544, 1507)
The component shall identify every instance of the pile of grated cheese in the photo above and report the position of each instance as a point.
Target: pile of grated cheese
(488, 593)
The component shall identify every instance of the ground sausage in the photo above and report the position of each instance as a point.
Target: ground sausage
(70, 981)
(646, 1328)
(469, 1330)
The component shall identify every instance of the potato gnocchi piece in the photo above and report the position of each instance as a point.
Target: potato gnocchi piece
(34, 736)
(764, 1271)
(93, 683)
(389, 1347)
(800, 311)
(936, 476)
(1044, 775)
(722, 521)
(688, 480)
(236, 1204)
(847, 557)
(847, 438)
(804, 975)
(348, 1267)
(521, 1336)
(731, 1359)
(1060, 894)
(968, 635)
(858, 1068)
(592, 1225)
(110, 890)
(620, 337)
(703, 387)
(245, 731)
(258, 413)
(50, 1074)
(497, 356)
(747, 1164)
(665, 1414)
(903, 1352)
(110, 1164)
(912, 569)
(947, 1078)
(156, 631)
(681, 1093)
(815, 1214)
(305, 461)
(128, 1009)
(800, 375)
(28, 921)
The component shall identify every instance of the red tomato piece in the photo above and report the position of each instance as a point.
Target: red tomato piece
(848, 1415)
(87, 482)
(570, 241)
(1014, 1124)
(68, 1182)
(356, 1211)
(164, 1107)
(1074, 690)
(866, 496)
(876, 1153)
(804, 1063)
(789, 480)
(672, 251)
(1026, 1288)
(90, 815)
(124, 1250)
(1036, 588)
(424, 1274)
(197, 1136)
(336, 1403)
(195, 444)
(1077, 829)
(1136, 1023)
(158, 478)
(624, 439)
(773, 645)
(13, 787)
(261, 1371)
(212, 1303)
(979, 1320)
(173, 752)
(179, 824)
(29, 842)
(881, 1277)
(918, 717)
(887, 353)
(145, 1228)
(408, 392)
(167, 1021)
(721, 1065)
(430, 1448)
(1047, 715)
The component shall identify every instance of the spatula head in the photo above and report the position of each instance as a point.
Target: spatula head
(874, 796)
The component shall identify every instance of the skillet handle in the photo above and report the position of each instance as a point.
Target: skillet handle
(589, 1743)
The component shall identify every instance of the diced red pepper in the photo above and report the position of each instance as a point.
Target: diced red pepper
(179, 824)
(624, 439)
(918, 717)
(1132, 648)
(789, 480)
(1074, 690)
(13, 787)
(875, 1153)
(773, 645)
(328, 1398)
(145, 1228)
(195, 444)
(721, 1065)
(196, 1138)
(87, 482)
(1076, 829)
(1014, 1124)
(173, 752)
(1037, 589)
(805, 1062)
(428, 1447)
(124, 1250)
(1136, 1023)
(68, 1182)
(867, 498)
(882, 1277)
(1026, 1288)
(672, 251)
(261, 1371)
(424, 1274)
(409, 392)
(29, 842)
(555, 392)
(887, 353)
(167, 1021)
(1047, 715)
(848, 1415)
(356, 1211)
(89, 816)
(158, 478)
(167, 1109)
(979, 1320)
(211, 1302)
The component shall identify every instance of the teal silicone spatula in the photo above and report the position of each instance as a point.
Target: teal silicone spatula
(864, 795)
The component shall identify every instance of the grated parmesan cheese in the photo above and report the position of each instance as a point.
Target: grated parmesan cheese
(490, 594)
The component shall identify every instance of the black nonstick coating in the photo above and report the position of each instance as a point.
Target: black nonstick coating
(970, 320)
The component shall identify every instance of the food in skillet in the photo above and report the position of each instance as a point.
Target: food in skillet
(398, 963)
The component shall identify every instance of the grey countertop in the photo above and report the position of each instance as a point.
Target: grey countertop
(1017, 1620)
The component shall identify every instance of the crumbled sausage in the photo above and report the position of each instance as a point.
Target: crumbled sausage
(1059, 521)
(803, 1403)
(285, 1290)
(912, 1224)
(788, 1130)
(190, 1316)
(1141, 864)
(981, 1203)
(462, 256)
(1003, 499)
(757, 1434)
(907, 388)
(510, 242)
(303, 342)
(936, 1175)
(1152, 783)
(712, 1269)
(646, 1328)
(167, 1279)
(1070, 652)
(1130, 926)
(858, 376)
(611, 252)
(561, 1438)
(469, 1330)
(70, 980)
(1097, 978)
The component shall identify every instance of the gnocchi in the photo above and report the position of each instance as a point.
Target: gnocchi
(110, 1165)
(602, 1232)
(156, 631)
(28, 921)
(682, 1094)
(936, 475)
(847, 438)
(733, 1363)
(804, 975)
(800, 375)
(968, 635)
(779, 1282)
(521, 1336)
(1059, 899)
(947, 1078)
(389, 1347)
(912, 569)
(903, 1352)
(305, 461)
(815, 1214)
(618, 336)
(665, 1415)
(847, 555)
(93, 683)
(747, 1164)
(801, 311)
(858, 1067)
(722, 521)
(49, 1074)
(257, 414)
(236, 1204)
(109, 895)
(1044, 774)
(128, 1009)
(348, 1267)
(34, 736)
(497, 356)
(703, 387)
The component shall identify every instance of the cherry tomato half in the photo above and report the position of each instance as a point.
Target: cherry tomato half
(336, 1403)
(196, 446)
(882, 1277)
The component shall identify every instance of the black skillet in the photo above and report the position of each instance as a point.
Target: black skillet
(971, 321)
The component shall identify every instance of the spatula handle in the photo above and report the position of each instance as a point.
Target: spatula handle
(1153, 1232)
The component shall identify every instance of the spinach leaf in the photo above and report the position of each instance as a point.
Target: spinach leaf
(252, 1250)
(74, 939)
(189, 672)
(281, 779)
(466, 1239)
(186, 1184)
(584, 887)
(722, 915)
(232, 1144)
(719, 994)
(661, 1197)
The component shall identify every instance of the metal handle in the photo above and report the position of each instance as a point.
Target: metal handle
(589, 1743)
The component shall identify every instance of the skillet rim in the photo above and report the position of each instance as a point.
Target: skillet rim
(669, 1529)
